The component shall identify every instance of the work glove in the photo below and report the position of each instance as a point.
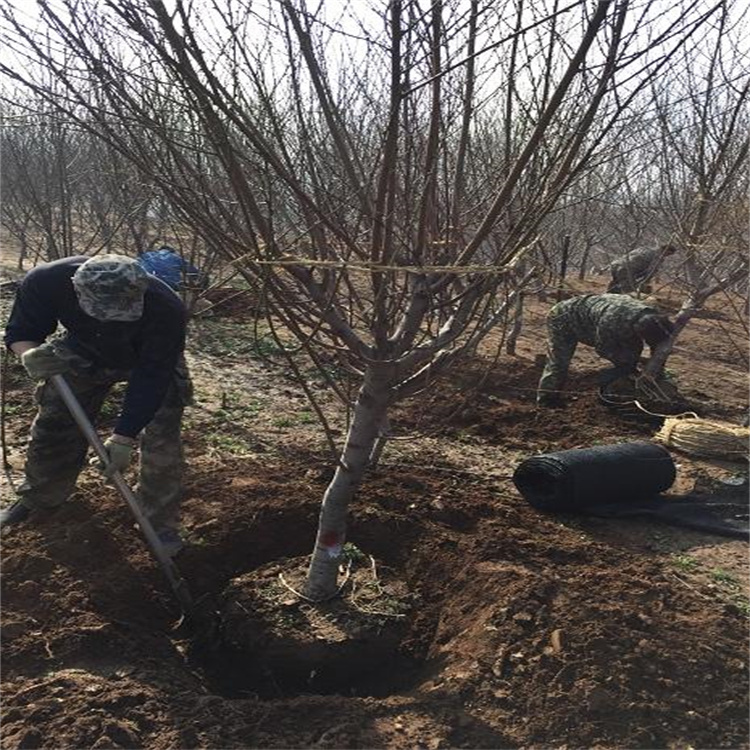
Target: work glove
(43, 362)
(120, 454)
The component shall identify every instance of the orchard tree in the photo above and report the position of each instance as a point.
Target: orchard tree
(381, 174)
(703, 157)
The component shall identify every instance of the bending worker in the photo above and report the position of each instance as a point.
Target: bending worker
(120, 324)
(635, 269)
(616, 325)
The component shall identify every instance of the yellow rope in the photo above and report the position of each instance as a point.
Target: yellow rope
(689, 414)
(703, 437)
(369, 267)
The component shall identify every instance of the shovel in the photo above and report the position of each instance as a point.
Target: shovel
(179, 587)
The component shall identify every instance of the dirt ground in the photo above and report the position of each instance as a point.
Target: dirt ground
(526, 630)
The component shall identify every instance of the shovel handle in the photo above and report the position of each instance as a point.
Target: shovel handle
(177, 583)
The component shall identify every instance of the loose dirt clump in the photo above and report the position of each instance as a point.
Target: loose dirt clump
(633, 657)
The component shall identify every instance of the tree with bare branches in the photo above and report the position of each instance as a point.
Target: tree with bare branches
(704, 157)
(382, 176)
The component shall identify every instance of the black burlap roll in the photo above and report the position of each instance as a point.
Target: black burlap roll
(576, 479)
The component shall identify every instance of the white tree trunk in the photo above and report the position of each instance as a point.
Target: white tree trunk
(369, 414)
(655, 365)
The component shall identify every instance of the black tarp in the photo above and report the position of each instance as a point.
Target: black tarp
(620, 481)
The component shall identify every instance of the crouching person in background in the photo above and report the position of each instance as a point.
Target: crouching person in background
(615, 325)
(635, 269)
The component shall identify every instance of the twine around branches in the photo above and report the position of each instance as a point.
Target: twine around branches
(369, 267)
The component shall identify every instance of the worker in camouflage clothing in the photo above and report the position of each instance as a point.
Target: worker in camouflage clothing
(120, 324)
(616, 325)
(636, 268)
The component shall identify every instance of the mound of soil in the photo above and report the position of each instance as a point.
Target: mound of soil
(497, 405)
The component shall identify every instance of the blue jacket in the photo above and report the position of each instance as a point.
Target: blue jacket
(167, 265)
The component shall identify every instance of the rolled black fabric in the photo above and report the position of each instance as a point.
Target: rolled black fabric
(574, 480)
(624, 481)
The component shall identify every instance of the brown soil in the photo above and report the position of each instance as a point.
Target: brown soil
(524, 631)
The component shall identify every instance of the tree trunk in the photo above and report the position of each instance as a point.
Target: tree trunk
(688, 310)
(563, 266)
(380, 443)
(515, 332)
(655, 365)
(369, 413)
(584, 262)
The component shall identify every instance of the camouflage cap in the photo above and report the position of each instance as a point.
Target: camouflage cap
(111, 287)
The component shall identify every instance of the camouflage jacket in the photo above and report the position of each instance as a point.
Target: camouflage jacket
(604, 321)
(150, 347)
(639, 264)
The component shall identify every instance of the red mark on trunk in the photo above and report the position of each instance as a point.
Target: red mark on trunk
(329, 538)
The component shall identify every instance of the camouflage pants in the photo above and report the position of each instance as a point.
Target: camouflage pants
(562, 341)
(57, 448)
